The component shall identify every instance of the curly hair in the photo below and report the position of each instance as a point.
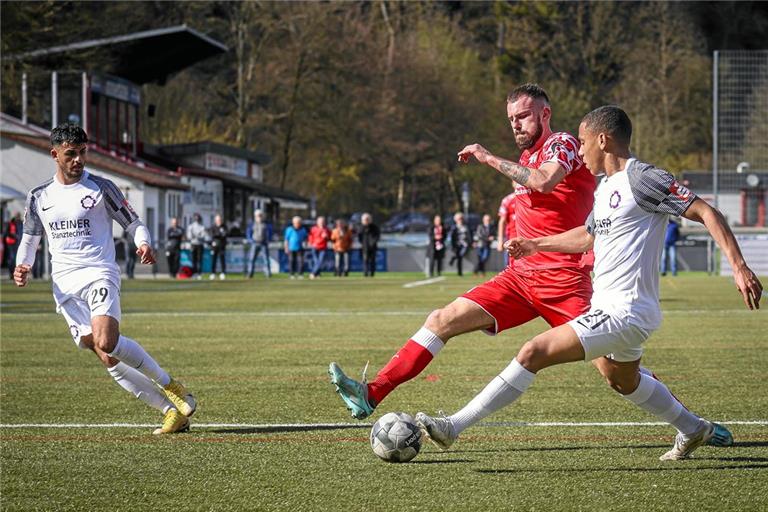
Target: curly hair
(69, 133)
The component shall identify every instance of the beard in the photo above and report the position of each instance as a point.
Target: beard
(73, 173)
(525, 141)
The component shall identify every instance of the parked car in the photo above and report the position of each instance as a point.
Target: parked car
(406, 222)
(470, 219)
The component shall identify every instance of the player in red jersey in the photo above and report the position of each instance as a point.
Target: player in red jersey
(554, 194)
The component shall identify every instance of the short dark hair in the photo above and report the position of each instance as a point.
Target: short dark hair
(69, 133)
(531, 90)
(612, 120)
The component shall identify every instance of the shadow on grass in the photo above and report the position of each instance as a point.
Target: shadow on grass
(734, 459)
(563, 448)
(750, 444)
(683, 467)
(440, 461)
(284, 428)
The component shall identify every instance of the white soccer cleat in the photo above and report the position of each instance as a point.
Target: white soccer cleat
(439, 430)
(683, 447)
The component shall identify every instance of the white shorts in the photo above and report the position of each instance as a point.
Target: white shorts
(608, 333)
(99, 298)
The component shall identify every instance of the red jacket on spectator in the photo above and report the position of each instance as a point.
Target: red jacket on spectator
(319, 237)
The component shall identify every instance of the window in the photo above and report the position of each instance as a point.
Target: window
(174, 204)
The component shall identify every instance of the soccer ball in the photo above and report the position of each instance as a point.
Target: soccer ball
(396, 437)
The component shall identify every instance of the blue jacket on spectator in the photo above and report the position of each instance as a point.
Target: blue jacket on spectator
(295, 237)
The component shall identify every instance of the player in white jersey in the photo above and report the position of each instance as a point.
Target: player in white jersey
(75, 210)
(626, 231)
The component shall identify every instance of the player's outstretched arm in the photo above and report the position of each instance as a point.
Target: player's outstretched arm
(25, 258)
(749, 285)
(143, 242)
(21, 274)
(146, 254)
(544, 179)
(574, 241)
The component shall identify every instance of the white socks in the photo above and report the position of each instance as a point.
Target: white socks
(428, 340)
(653, 396)
(140, 386)
(132, 354)
(500, 392)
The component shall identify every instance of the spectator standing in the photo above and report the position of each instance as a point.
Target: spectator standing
(258, 233)
(461, 238)
(369, 241)
(670, 248)
(11, 239)
(173, 238)
(219, 247)
(295, 235)
(436, 247)
(196, 236)
(319, 236)
(341, 236)
(483, 238)
(130, 254)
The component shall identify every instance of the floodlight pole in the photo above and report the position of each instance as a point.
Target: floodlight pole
(85, 102)
(715, 150)
(24, 98)
(54, 99)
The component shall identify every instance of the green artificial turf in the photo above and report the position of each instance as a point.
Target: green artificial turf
(255, 352)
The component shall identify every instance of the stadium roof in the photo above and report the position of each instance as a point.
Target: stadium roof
(161, 156)
(199, 148)
(141, 57)
(248, 183)
(99, 158)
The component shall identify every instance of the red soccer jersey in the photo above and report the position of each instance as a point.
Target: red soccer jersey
(565, 208)
(507, 212)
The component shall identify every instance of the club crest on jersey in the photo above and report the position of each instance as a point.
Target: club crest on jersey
(615, 199)
(88, 202)
(679, 191)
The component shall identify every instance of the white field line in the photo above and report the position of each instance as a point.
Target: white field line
(414, 284)
(298, 426)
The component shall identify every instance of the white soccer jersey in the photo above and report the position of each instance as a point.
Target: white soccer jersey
(77, 219)
(628, 222)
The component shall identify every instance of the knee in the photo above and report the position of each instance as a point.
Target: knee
(622, 384)
(104, 342)
(436, 319)
(532, 355)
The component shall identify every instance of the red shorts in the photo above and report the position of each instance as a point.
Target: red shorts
(515, 297)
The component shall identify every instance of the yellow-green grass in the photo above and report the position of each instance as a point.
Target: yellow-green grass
(255, 352)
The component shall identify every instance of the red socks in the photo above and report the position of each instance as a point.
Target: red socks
(405, 365)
